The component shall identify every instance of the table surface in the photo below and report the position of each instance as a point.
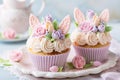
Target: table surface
(5, 75)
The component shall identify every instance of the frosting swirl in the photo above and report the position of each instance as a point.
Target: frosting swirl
(78, 37)
(73, 35)
(93, 30)
(81, 39)
(102, 38)
(108, 37)
(91, 38)
(34, 44)
(59, 45)
(29, 42)
(67, 43)
(46, 45)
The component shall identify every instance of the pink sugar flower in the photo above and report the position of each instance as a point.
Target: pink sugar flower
(9, 34)
(97, 63)
(86, 26)
(78, 62)
(54, 69)
(16, 56)
(39, 31)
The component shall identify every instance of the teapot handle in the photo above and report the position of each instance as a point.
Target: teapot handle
(42, 6)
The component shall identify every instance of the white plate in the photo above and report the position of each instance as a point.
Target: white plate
(21, 37)
(26, 67)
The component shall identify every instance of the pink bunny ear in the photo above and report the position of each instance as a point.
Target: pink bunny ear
(65, 24)
(33, 20)
(104, 16)
(78, 16)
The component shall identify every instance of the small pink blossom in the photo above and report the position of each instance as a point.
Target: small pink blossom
(39, 31)
(54, 69)
(9, 34)
(78, 62)
(97, 63)
(16, 56)
(86, 26)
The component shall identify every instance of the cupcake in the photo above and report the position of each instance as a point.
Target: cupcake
(91, 39)
(49, 43)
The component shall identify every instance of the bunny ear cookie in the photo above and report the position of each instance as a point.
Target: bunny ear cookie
(65, 24)
(78, 16)
(104, 16)
(33, 20)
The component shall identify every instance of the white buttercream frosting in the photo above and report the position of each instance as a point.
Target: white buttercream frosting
(34, 44)
(78, 37)
(108, 36)
(102, 38)
(59, 45)
(67, 43)
(46, 45)
(91, 38)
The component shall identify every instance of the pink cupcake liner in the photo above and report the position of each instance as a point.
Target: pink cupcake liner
(43, 63)
(92, 54)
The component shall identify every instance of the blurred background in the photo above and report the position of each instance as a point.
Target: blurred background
(60, 8)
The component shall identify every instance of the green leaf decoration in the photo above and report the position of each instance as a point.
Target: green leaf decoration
(5, 62)
(70, 65)
(76, 24)
(55, 25)
(52, 40)
(108, 28)
(49, 36)
(67, 35)
(60, 69)
(88, 65)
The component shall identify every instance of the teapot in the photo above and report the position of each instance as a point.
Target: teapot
(15, 14)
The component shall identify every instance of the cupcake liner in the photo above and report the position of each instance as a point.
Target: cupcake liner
(92, 54)
(43, 63)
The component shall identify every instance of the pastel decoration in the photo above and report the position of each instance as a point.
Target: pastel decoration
(86, 26)
(54, 69)
(16, 56)
(95, 29)
(9, 34)
(97, 63)
(78, 16)
(33, 21)
(78, 62)
(104, 16)
(39, 31)
(58, 35)
(48, 18)
(49, 26)
(90, 14)
(65, 24)
(101, 28)
(96, 20)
